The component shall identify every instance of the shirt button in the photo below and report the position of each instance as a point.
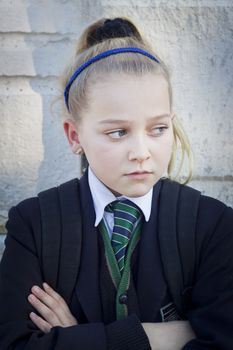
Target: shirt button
(123, 298)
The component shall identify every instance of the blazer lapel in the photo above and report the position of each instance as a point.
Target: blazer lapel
(151, 286)
(87, 287)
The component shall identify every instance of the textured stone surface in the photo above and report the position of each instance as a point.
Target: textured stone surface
(37, 38)
(221, 190)
(25, 167)
(28, 55)
(67, 16)
(21, 146)
(53, 16)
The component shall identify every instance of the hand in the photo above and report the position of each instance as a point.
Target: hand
(52, 307)
(171, 335)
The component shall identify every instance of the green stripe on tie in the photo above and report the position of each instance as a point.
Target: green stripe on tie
(126, 214)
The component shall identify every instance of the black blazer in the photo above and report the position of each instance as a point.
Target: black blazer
(211, 312)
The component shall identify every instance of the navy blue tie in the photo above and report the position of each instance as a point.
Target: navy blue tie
(126, 214)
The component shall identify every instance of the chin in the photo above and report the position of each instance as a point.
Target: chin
(139, 192)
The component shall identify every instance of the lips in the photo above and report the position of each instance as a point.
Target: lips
(139, 172)
(139, 175)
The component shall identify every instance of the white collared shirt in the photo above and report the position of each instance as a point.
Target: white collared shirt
(102, 196)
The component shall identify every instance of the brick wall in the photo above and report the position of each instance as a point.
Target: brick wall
(36, 38)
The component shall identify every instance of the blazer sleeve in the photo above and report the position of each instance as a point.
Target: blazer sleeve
(20, 269)
(211, 314)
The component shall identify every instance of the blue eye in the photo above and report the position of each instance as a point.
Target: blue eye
(117, 134)
(159, 130)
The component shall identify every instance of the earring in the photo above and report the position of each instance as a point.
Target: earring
(79, 151)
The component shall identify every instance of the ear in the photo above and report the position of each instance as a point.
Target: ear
(72, 134)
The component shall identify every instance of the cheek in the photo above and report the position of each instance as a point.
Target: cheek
(103, 153)
(108, 150)
(163, 148)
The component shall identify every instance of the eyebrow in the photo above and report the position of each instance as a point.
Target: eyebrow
(117, 121)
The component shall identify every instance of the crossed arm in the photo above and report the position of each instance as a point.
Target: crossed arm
(212, 317)
(45, 327)
(53, 311)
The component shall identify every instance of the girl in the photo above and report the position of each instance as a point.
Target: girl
(118, 97)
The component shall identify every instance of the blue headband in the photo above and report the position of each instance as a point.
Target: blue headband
(97, 58)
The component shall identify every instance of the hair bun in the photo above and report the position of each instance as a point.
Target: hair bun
(113, 28)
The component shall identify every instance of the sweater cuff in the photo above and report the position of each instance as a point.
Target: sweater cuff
(127, 334)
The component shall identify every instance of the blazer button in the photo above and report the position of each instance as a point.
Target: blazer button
(123, 298)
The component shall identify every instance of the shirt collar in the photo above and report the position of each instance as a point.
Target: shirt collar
(102, 196)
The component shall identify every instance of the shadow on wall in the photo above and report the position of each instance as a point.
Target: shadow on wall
(39, 154)
(55, 29)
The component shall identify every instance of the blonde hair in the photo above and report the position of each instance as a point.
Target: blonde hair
(93, 42)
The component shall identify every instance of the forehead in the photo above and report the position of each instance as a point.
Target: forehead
(125, 93)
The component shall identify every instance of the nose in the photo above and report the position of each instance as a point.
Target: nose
(139, 150)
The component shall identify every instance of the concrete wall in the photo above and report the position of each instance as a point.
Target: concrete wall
(195, 38)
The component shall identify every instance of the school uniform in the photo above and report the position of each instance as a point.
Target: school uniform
(93, 299)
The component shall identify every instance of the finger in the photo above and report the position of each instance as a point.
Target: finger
(57, 309)
(63, 311)
(50, 291)
(40, 323)
(54, 304)
(48, 314)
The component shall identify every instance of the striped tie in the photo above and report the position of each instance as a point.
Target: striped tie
(125, 215)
